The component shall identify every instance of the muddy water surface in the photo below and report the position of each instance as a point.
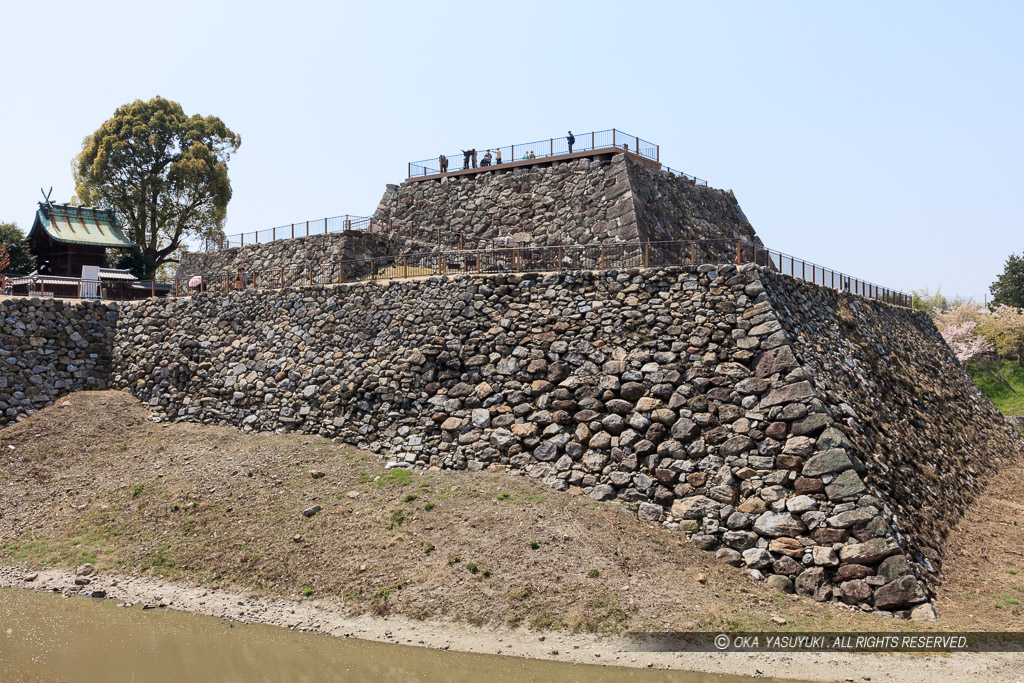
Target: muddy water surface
(47, 638)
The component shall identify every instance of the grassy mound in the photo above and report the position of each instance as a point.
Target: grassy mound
(1009, 400)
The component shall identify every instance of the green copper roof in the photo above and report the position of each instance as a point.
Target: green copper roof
(80, 225)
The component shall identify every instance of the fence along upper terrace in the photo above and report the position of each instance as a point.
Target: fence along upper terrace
(320, 226)
(615, 256)
(551, 150)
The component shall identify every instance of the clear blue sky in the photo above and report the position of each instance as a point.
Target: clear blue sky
(879, 138)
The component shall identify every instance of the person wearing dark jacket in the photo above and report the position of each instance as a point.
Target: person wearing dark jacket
(467, 154)
(442, 161)
(571, 140)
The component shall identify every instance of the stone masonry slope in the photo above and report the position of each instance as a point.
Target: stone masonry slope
(49, 348)
(675, 391)
(585, 201)
(287, 259)
(920, 430)
(670, 208)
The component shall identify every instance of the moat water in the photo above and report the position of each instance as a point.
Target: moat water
(45, 638)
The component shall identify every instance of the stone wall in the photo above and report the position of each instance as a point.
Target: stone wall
(603, 200)
(585, 201)
(670, 207)
(724, 402)
(824, 442)
(50, 348)
(293, 256)
(923, 433)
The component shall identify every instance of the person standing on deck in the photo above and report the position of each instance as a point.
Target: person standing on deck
(466, 155)
(442, 161)
(571, 140)
(497, 157)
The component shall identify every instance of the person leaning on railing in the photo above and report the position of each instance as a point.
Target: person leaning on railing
(486, 161)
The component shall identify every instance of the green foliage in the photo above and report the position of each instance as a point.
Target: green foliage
(534, 544)
(1004, 330)
(164, 173)
(934, 303)
(141, 265)
(1008, 288)
(396, 477)
(16, 245)
(397, 518)
(593, 574)
(992, 376)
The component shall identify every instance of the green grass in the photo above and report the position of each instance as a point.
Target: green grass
(396, 477)
(1005, 400)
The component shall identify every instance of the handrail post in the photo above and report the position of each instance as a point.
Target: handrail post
(478, 262)
(693, 253)
(739, 252)
(325, 225)
(512, 154)
(282, 278)
(647, 254)
(593, 145)
(657, 153)
(408, 173)
(552, 141)
(613, 138)
(602, 258)
(293, 231)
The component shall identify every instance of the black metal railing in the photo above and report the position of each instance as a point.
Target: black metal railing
(539, 149)
(320, 226)
(531, 258)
